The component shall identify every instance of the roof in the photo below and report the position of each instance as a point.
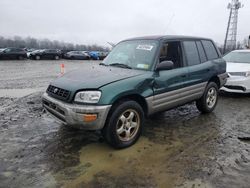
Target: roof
(165, 37)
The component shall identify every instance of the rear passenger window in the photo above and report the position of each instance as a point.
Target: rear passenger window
(210, 50)
(203, 57)
(191, 53)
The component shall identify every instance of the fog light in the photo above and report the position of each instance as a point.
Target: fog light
(89, 117)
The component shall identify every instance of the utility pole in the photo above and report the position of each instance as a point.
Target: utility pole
(231, 34)
(248, 42)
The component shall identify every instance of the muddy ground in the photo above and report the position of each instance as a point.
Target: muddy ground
(178, 148)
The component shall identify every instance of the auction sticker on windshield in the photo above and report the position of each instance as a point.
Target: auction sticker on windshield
(143, 66)
(145, 47)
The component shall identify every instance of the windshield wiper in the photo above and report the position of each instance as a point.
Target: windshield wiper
(120, 65)
(103, 64)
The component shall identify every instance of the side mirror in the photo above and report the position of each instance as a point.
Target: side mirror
(165, 65)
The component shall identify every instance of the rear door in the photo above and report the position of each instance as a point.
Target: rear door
(199, 68)
(50, 54)
(198, 57)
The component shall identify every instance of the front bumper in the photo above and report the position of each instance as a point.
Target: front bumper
(237, 84)
(72, 114)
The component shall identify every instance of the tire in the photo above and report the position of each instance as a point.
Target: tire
(20, 58)
(124, 124)
(56, 57)
(37, 57)
(209, 100)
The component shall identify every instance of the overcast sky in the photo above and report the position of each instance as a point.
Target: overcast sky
(99, 21)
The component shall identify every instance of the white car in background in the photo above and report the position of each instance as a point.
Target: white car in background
(238, 69)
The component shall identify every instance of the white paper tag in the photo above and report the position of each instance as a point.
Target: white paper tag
(143, 66)
(145, 47)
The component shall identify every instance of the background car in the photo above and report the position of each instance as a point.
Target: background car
(13, 53)
(97, 55)
(29, 50)
(238, 68)
(102, 55)
(46, 54)
(77, 55)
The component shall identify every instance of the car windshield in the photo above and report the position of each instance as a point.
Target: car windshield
(238, 57)
(134, 54)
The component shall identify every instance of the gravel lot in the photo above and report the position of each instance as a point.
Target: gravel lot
(179, 148)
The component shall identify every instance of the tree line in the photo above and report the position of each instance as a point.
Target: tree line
(30, 42)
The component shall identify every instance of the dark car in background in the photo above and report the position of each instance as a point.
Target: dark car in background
(77, 55)
(13, 53)
(46, 54)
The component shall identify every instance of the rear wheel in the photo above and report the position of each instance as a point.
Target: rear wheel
(56, 57)
(37, 57)
(208, 101)
(124, 125)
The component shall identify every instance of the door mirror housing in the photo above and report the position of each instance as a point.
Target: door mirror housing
(165, 65)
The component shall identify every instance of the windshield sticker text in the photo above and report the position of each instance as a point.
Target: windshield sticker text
(145, 47)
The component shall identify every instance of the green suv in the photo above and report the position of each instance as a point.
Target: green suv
(140, 77)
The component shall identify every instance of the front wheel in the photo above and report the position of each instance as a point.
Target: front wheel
(208, 101)
(124, 125)
(20, 58)
(56, 57)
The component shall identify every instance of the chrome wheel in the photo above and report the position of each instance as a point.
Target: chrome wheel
(211, 97)
(128, 125)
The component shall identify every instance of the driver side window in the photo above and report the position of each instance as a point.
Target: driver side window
(171, 51)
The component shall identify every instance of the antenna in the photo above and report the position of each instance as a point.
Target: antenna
(231, 34)
(111, 44)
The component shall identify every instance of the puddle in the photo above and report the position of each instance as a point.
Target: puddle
(18, 93)
(146, 164)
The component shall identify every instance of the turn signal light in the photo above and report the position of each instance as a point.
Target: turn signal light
(89, 117)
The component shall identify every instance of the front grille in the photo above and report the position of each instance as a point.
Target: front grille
(237, 73)
(58, 92)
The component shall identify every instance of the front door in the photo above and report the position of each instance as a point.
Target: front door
(169, 83)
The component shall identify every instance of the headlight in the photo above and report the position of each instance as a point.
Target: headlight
(92, 97)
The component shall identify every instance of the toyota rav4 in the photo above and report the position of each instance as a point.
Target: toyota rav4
(140, 77)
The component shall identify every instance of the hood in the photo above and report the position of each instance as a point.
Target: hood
(238, 67)
(93, 77)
